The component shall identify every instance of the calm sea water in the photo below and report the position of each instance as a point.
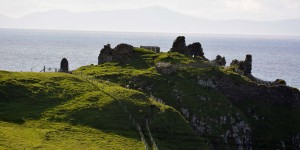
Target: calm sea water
(273, 56)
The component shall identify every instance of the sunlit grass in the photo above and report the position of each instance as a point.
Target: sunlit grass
(64, 111)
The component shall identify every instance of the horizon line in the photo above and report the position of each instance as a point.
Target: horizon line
(156, 32)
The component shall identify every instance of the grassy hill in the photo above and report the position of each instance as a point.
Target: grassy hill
(212, 112)
(64, 111)
(99, 107)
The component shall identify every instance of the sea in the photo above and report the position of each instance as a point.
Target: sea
(274, 57)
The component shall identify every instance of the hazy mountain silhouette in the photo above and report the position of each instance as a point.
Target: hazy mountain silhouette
(6, 21)
(149, 19)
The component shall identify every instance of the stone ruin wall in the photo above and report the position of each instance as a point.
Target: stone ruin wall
(155, 49)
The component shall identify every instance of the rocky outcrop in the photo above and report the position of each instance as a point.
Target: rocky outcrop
(274, 96)
(279, 82)
(120, 53)
(274, 92)
(277, 95)
(192, 50)
(221, 61)
(245, 68)
(164, 68)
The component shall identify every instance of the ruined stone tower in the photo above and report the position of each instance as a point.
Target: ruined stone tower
(64, 65)
(248, 64)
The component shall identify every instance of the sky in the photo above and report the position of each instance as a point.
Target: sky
(258, 10)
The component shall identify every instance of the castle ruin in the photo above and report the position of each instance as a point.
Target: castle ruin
(155, 49)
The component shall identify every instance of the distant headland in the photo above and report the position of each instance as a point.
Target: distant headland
(275, 89)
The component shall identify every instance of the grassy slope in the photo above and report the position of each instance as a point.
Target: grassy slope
(58, 111)
(49, 135)
(49, 106)
(180, 90)
(33, 103)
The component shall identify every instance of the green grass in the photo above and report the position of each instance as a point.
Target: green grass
(174, 58)
(50, 135)
(33, 100)
(181, 90)
(64, 111)
(183, 81)
(59, 111)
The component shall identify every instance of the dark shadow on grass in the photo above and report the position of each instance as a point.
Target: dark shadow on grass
(22, 104)
(137, 63)
(110, 118)
(19, 112)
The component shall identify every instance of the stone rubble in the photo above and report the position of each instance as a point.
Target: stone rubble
(207, 83)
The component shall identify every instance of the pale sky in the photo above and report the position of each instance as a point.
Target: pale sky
(209, 9)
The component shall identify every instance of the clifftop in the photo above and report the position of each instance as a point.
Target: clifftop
(217, 100)
(182, 57)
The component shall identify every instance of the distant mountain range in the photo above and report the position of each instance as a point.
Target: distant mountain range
(149, 19)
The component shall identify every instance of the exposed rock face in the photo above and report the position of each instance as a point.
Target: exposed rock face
(120, 53)
(278, 95)
(221, 61)
(245, 68)
(64, 65)
(279, 82)
(164, 68)
(207, 83)
(192, 50)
